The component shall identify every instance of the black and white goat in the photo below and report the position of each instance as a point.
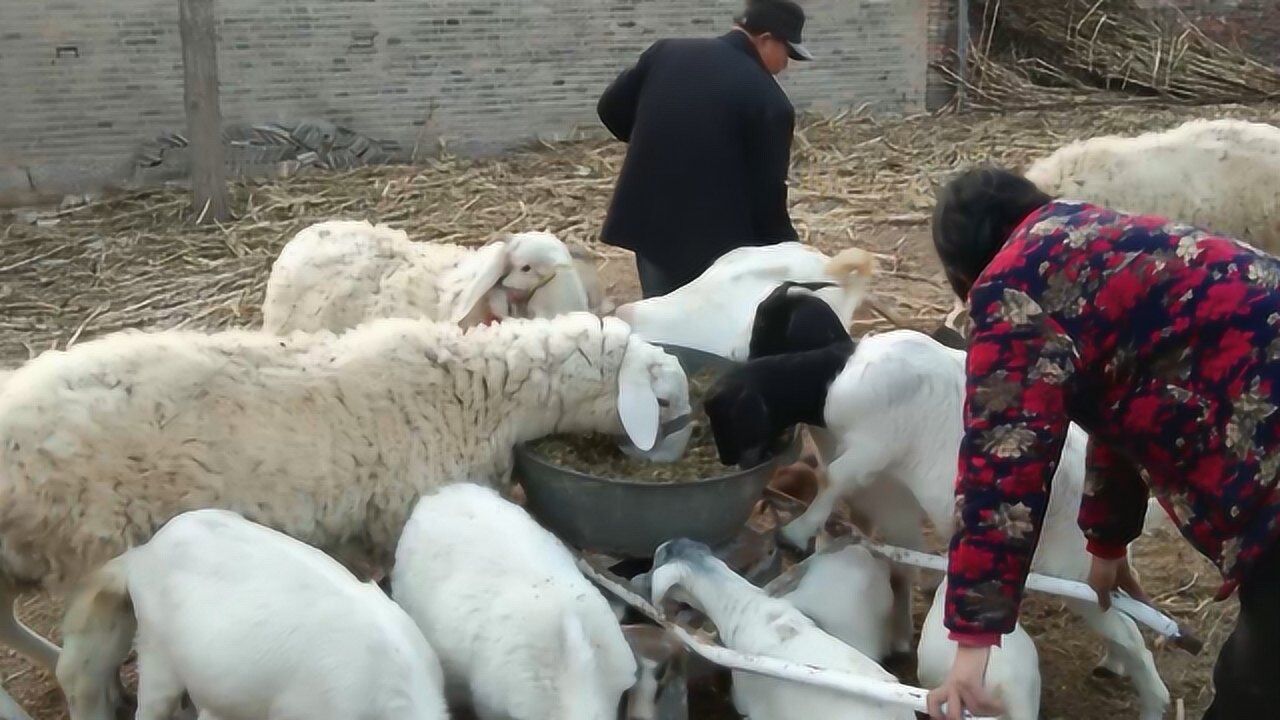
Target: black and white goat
(894, 403)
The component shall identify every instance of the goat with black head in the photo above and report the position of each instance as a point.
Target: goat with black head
(792, 319)
(798, 347)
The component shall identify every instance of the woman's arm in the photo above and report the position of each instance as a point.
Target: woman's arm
(1018, 367)
(1114, 504)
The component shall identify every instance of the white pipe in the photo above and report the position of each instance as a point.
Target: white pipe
(884, 693)
(1140, 612)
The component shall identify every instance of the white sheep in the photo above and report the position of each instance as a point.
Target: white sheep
(516, 625)
(335, 275)
(845, 589)
(714, 313)
(1223, 175)
(329, 439)
(750, 621)
(249, 623)
(896, 409)
(1013, 670)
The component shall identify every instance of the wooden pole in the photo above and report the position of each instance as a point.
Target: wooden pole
(204, 116)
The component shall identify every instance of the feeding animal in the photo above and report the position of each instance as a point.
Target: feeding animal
(520, 632)
(714, 313)
(894, 406)
(329, 439)
(249, 623)
(749, 621)
(337, 274)
(1223, 175)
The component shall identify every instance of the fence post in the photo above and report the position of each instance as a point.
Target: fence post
(204, 116)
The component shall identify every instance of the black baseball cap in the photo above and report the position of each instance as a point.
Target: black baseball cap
(782, 19)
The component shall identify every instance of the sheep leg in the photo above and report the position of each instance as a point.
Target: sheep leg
(891, 510)
(89, 668)
(1124, 641)
(159, 689)
(19, 637)
(854, 469)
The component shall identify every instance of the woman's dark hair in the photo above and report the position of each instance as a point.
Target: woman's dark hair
(976, 212)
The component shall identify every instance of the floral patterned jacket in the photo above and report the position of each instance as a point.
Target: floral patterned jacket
(1160, 340)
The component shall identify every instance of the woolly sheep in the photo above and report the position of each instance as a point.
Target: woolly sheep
(1013, 671)
(329, 439)
(335, 275)
(517, 626)
(249, 623)
(750, 621)
(714, 312)
(845, 590)
(1223, 175)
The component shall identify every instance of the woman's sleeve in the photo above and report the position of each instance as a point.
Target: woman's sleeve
(1015, 422)
(1114, 505)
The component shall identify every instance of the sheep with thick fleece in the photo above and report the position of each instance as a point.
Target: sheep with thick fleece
(337, 274)
(251, 625)
(329, 439)
(1013, 670)
(895, 407)
(518, 629)
(1222, 175)
(750, 621)
(714, 313)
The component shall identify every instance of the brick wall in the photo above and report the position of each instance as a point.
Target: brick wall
(85, 82)
(942, 45)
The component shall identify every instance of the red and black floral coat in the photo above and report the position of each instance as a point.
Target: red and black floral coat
(1160, 340)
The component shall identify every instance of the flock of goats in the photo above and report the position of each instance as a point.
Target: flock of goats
(210, 495)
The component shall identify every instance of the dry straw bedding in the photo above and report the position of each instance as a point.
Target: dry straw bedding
(132, 262)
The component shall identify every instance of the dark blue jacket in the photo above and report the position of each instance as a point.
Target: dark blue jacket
(710, 144)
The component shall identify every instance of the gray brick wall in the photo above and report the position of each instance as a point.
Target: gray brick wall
(85, 83)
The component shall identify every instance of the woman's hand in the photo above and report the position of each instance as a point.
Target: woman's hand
(962, 690)
(1107, 576)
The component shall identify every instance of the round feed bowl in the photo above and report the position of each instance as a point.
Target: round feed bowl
(631, 518)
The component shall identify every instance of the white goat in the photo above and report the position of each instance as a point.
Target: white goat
(251, 624)
(750, 621)
(329, 439)
(1013, 670)
(501, 600)
(845, 590)
(335, 275)
(896, 410)
(1223, 175)
(714, 313)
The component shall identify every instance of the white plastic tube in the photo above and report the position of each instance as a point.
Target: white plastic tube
(878, 691)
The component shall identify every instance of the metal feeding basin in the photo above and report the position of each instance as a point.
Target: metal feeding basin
(631, 518)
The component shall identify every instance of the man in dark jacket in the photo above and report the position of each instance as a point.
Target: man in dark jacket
(710, 131)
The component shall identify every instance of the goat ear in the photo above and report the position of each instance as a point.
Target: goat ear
(482, 271)
(637, 401)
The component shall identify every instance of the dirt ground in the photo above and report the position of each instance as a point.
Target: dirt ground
(72, 274)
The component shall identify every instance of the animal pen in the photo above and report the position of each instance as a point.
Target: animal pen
(1035, 76)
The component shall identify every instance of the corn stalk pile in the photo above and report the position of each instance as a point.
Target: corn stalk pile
(1038, 53)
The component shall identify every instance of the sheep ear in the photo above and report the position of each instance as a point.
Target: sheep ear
(483, 270)
(637, 402)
